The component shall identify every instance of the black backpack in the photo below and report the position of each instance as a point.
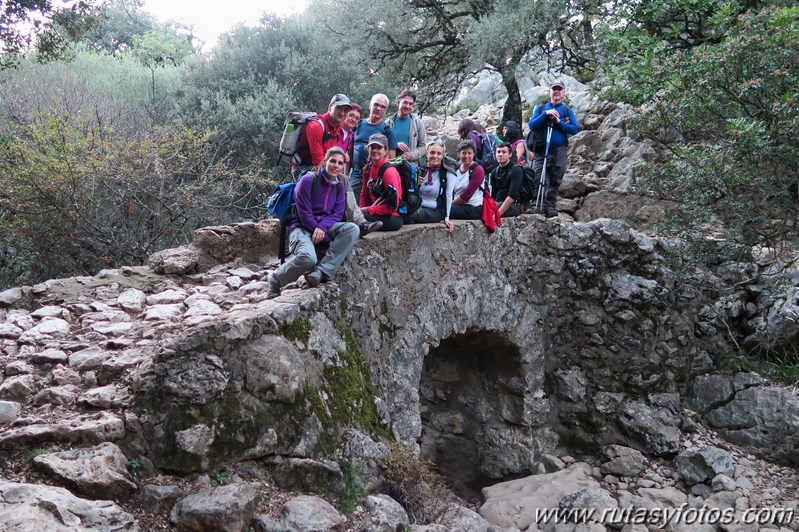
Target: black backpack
(488, 155)
(537, 139)
(529, 187)
(411, 197)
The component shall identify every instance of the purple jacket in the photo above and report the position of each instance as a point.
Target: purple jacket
(321, 206)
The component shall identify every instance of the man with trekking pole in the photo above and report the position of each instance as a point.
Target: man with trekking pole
(550, 125)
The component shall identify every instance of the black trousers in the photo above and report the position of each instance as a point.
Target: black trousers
(556, 169)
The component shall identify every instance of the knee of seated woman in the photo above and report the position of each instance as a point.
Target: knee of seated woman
(305, 259)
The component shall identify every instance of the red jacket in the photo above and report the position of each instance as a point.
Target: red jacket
(315, 141)
(391, 178)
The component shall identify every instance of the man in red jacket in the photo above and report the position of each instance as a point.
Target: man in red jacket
(322, 133)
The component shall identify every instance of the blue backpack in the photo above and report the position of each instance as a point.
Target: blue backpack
(281, 205)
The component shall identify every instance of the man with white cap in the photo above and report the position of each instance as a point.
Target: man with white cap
(553, 114)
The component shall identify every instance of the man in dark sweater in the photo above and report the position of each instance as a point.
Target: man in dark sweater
(506, 182)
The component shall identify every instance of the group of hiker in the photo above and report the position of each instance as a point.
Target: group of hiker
(400, 177)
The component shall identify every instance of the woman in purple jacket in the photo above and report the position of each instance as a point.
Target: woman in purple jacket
(320, 201)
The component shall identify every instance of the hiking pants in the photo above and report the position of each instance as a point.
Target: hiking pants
(465, 211)
(427, 215)
(390, 223)
(556, 168)
(356, 182)
(343, 236)
(352, 212)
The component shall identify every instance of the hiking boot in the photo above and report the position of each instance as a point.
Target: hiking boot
(274, 287)
(551, 213)
(370, 227)
(314, 278)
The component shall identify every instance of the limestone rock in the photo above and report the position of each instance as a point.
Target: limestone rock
(89, 428)
(514, 503)
(98, 472)
(159, 499)
(663, 497)
(710, 391)
(10, 296)
(111, 396)
(87, 359)
(9, 330)
(300, 474)
(46, 330)
(18, 388)
(622, 461)
(655, 429)
(9, 411)
(778, 330)
(33, 507)
(307, 513)
(132, 300)
(228, 508)
(698, 467)
(764, 419)
(175, 261)
(50, 356)
(385, 515)
(458, 517)
(57, 395)
(596, 498)
(366, 456)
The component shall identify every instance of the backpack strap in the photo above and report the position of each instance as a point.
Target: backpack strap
(381, 171)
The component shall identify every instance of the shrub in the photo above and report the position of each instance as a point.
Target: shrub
(416, 485)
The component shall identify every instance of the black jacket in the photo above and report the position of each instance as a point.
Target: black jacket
(506, 181)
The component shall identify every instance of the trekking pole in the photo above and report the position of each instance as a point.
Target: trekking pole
(542, 184)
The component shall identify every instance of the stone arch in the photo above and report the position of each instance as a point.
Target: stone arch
(475, 409)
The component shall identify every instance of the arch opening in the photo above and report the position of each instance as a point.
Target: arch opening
(472, 406)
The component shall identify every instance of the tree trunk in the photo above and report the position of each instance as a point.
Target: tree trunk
(513, 106)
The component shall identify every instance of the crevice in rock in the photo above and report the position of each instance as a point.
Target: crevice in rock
(471, 390)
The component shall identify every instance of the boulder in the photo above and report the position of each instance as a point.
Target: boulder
(307, 513)
(762, 419)
(699, 467)
(228, 508)
(514, 503)
(622, 461)
(302, 474)
(385, 515)
(97, 472)
(34, 507)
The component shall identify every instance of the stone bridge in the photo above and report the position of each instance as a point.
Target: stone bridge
(484, 351)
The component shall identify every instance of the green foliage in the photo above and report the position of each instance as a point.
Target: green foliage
(120, 92)
(133, 465)
(161, 46)
(219, 478)
(121, 21)
(784, 368)
(256, 75)
(435, 46)
(299, 329)
(736, 103)
(354, 489)
(23, 20)
(78, 197)
(30, 454)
